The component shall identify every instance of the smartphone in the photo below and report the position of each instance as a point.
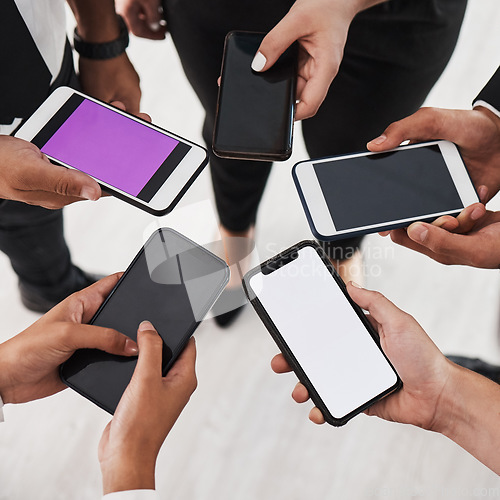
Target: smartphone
(255, 111)
(172, 282)
(323, 334)
(132, 159)
(355, 194)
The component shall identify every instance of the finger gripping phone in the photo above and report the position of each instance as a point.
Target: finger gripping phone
(361, 193)
(323, 334)
(132, 159)
(172, 282)
(255, 111)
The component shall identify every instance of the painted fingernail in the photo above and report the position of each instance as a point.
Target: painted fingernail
(146, 325)
(131, 347)
(477, 213)
(379, 140)
(89, 194)
(417, 232)
(154, 26)
(259, 61)
(355, 285)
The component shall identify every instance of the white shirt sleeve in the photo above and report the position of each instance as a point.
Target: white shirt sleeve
(132, 495)
(1, 410)
(484, 104)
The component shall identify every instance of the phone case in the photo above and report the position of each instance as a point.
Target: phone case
(288, 354)
(181, 346)
(240, 155)
(351, 234)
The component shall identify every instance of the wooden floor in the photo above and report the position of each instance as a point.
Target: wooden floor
(242, 437)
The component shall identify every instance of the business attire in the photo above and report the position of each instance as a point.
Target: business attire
(489, 97)
(394, 54)
(36, 58)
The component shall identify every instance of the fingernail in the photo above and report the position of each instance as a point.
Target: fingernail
(259, 61)
(417, 232)
(482, 192)
(477, 213)
(89, 194)
(379, 140)
(154, 26)
(131, 347)
(355, 285)
(146, 325)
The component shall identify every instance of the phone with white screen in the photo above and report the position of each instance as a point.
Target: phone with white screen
(323, 334)
(172, 282)
(132, 159)
(355, 194)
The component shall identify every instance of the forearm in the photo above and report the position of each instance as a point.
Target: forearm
(97, 21)
(128, 475)
(469, 414)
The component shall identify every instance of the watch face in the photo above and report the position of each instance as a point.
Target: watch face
(106, 50)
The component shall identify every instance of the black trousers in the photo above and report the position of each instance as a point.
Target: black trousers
(32, 237)
(394, 54)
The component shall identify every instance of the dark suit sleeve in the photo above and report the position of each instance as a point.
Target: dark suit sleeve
(491, 93)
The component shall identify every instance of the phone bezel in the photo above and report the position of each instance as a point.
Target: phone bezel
(320, 219)
(167, 196)
(283, 346)
(180, 347)
(224, 150)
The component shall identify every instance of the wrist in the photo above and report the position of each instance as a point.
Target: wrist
(126, 474)
(6, 384)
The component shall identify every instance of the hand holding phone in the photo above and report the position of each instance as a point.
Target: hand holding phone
(255, 111)
(134, 160)
(324, 336)
(172, 282)
(422, 367)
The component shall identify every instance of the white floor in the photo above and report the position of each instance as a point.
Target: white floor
(241, 436)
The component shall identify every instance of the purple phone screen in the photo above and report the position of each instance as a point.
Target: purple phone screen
(110, 147)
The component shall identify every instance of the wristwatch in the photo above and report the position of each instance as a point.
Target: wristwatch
(106, 50)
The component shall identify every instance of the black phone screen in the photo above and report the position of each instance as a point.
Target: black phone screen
(387, 187)
(172, 282)
(255, 110)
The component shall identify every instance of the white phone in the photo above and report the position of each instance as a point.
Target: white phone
(361, 193)
(323, 334)
(134, 160)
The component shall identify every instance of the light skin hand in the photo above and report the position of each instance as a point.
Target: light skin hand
(479, 247)
(29, 362)
(143, 18)
(27, 175)
(437, 395)
(476, 133)
(320, 29)
(419, 363)
(147, 411)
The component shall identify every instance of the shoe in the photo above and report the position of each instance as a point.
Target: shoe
(38, 300)
(479, 366)
(229, 306)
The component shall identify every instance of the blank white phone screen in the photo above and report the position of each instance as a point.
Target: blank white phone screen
(322, 330)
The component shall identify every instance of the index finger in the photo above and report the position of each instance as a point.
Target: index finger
(279, 364)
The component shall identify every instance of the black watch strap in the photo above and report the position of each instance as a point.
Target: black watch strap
(106, 50)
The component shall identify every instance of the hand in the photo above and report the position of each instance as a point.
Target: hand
(143, 17)
(110, 80)
(476, 133)
(147, 411)
(29, 362)
(479, 247)
(419, 363)
(320, 28)
(27, 175)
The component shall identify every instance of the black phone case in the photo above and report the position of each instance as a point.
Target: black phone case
(288, 354)
(352, 234)
(175, 354)
(223, 152)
